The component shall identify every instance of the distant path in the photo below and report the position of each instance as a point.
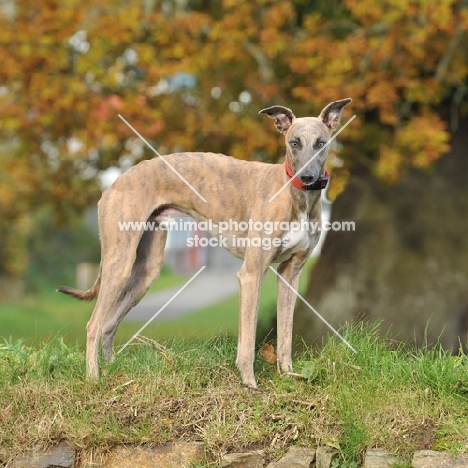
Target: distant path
(208, 288)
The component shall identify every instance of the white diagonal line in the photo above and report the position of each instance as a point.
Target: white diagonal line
(157, 153)
(161, 309)
(312, 309)
(315, 155)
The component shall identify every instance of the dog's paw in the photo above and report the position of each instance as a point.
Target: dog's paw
(252, 390)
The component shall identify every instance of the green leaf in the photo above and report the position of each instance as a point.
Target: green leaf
(309, 371)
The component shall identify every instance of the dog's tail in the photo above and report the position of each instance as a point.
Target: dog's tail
(88, 295)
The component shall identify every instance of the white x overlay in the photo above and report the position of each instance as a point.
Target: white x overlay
(202, 268)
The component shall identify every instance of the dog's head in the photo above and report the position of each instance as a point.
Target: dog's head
(307, 137)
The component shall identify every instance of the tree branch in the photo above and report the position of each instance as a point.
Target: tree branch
(263, 63)
(444, 61)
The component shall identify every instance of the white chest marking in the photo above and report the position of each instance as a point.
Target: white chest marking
(297, 238)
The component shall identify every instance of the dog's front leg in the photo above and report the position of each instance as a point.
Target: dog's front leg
(250, 278)
(290, 272)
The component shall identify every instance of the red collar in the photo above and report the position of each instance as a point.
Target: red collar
(320, 184)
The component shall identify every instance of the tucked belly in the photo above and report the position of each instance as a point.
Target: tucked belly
(235, 242)
(167, 214)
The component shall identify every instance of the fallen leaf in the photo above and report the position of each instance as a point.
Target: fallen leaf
(268, 353)
(133, 388)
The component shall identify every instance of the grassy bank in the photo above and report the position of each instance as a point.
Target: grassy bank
(384, 396)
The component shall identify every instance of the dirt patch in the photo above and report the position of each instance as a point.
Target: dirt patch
(422, 436)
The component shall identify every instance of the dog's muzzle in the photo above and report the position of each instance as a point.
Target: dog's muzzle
(319, 184)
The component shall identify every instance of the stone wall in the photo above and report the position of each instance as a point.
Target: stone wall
(184, 454)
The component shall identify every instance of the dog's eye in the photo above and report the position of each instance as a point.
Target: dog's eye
(294, 144)
(320, 144)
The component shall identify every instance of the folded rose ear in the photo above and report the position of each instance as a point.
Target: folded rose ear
(331, 114)
(284, 116)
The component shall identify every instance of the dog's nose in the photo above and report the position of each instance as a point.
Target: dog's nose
(307, 178)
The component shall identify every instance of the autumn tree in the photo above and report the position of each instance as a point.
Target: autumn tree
(185, 76)
(405, 65)
(69, 68)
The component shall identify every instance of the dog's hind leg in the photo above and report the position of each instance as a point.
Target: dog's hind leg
(146, 269)
(118, 254)
(114, 277)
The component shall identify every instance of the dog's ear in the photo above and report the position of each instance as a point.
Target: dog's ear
(284, 116)
(331, 114)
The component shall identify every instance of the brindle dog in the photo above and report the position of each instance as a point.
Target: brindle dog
(234, 190)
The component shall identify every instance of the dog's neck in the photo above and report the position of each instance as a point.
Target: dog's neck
(303, 201)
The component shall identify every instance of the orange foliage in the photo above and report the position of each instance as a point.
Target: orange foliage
(195, 80)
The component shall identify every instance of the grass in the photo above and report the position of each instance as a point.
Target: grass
(384, 396)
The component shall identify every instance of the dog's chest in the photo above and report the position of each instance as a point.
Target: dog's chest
(298, 237)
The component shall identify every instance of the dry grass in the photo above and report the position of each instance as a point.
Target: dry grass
(383, 396)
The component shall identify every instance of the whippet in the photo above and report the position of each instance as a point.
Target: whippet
(234, 190)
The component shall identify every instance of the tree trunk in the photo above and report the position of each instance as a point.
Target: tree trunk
(407, 261)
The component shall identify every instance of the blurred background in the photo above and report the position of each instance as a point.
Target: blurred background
(192, 75)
